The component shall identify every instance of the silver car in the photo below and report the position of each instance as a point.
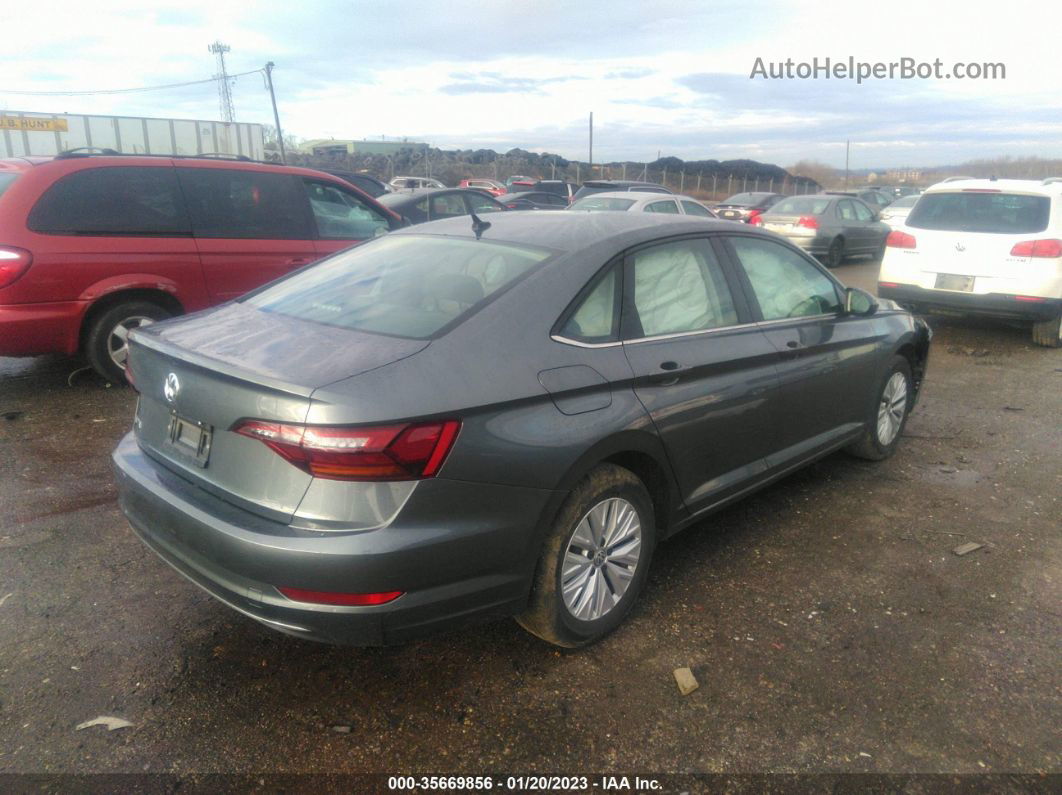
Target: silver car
(896, 213)
(829, 227)
(629, 201)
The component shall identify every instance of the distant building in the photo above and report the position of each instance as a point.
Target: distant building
(904, 175)
(336, 146)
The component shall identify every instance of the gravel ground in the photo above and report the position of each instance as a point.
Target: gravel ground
(829, 623)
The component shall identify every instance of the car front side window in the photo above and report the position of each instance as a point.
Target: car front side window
(784, 283)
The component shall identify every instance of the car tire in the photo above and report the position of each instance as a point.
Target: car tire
(558, 611)
(886, 422)
(105, 341)
(835, 253)
(1048, 333)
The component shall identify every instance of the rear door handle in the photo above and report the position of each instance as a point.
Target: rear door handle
(793, 344)
(294, 262)
(669, 376)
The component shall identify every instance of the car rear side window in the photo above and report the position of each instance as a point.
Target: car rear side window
(402, 285)
(970, 211)
(785, 284)
(340, 215)
(231, 203)
(597, 317)
(692, 208)
(663, 207)
(122, 200)
(679, 287)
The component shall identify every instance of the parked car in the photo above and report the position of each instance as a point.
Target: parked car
(983, 247)
(94, 246)
(625, 201)
(414, 183)
(534, 200)
(559, 187)
(828, 226)
(491, 186)
(593, 186)
(746, 206)
(431, 204)
(896, 212)
(507, 420)
(876, 199)
(519, 178)
(366, 183)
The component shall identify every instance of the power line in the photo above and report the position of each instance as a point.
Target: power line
(127, 90)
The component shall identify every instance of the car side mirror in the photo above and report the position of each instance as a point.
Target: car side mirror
(859, 302)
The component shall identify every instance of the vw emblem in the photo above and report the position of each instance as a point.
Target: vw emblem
(960, 247)
(172, 388)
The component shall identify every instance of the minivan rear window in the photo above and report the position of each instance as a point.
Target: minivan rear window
(404, 285)
(968, 211)
(114, 200)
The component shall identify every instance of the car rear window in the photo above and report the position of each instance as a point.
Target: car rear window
(800, 207)
(120, 200)
(405, 285)
(969, 211)
(5, 181)
(743, 198)
(595, 203)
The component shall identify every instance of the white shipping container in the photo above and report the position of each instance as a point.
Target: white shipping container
(45, 134)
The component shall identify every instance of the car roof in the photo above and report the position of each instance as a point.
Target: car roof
(1051, 186)
(566, 231)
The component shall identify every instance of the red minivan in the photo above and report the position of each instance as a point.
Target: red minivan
(92, 246)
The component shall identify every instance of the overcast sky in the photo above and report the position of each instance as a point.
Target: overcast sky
(668, 75)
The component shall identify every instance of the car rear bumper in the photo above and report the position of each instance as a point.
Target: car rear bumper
(1008, 307)
(457, 550)
(34, 329)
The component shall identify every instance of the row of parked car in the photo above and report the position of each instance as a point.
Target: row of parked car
(119, 242)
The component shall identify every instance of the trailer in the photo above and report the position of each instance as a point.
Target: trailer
(45, 134)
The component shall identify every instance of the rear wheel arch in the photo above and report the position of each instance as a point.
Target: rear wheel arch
(104, 303)
(641, 453)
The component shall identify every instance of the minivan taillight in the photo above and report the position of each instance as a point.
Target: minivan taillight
(898, 239)
(13, 263)
(1037, 248)
(383, 452)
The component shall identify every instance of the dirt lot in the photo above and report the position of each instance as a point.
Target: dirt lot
(829, 622)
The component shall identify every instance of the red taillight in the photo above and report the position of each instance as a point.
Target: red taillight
(808, 222)
(511, 206)
(13, 263)
(387, 452)
(335, 598)
(754, 217)
(1032, 299)
(898, 239)
(888, 284)
(1037, 248)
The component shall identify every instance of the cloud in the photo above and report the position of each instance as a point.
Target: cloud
(496, 83)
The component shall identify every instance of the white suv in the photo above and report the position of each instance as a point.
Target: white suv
(982, 247)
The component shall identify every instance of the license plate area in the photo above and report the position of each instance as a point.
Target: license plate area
(950, 281)
(189, 439)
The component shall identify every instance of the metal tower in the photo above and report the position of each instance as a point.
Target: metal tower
(228, 113)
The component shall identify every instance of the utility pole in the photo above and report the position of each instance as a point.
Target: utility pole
(228, 113)
(847, 146)
(591, 144)
(276, 114)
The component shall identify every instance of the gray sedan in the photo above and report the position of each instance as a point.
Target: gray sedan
(474, 418)
(828, 226)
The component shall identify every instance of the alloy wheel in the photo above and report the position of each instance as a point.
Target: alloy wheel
(601, 558)
(891, 408)
(118, 339)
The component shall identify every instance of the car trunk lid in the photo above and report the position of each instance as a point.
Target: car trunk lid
(198, 379)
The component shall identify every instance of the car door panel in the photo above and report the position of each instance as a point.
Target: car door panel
(708, 391)
(250, 227)
(826, 361)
